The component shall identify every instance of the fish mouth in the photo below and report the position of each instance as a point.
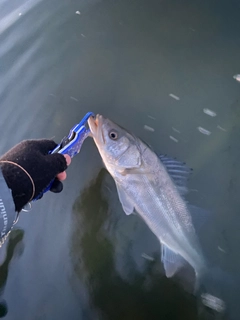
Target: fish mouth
(95, 126)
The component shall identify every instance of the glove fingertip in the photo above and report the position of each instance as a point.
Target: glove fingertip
(57, 186)
(57, 161)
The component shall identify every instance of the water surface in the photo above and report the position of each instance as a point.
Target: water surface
(141, 63)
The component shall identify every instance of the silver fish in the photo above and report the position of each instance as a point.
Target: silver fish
(152, 186)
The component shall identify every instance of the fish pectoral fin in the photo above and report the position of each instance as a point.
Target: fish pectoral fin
(171, 260)
(127, 205)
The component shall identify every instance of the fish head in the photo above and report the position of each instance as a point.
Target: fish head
(118, 148)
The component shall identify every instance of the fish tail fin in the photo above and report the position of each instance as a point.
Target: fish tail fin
(210, 288)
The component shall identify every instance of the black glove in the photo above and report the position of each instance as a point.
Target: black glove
(32, 156)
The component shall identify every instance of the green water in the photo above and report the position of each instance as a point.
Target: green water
(77, 255)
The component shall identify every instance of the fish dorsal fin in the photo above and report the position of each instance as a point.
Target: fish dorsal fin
(178, 171)
(172, 261)
(127, 205)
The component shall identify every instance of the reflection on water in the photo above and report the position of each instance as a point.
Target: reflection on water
(148, 295)
(15, 237)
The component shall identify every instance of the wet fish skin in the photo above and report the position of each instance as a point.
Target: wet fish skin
(144, 185)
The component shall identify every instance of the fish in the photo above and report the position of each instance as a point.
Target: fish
(154, 187)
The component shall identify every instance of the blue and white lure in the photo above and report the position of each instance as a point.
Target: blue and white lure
(71, 144)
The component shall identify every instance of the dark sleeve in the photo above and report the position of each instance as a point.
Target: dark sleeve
(8, 214)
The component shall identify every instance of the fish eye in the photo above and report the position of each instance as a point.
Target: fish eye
(113, 135)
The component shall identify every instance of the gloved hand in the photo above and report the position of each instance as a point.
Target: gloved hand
(28, 168)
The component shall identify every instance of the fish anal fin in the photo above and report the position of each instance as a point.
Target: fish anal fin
(172, 261)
